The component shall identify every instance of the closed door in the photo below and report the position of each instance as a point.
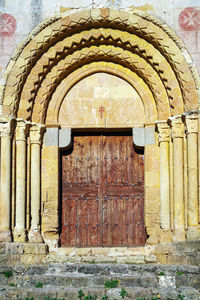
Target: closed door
(102, 192)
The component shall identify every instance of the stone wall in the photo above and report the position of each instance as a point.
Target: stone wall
(56, 65)
(181, 16)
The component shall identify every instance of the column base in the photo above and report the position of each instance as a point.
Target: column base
(35, 236)
(5, 235)
(179, 235)
(19, 235)
(193, 233)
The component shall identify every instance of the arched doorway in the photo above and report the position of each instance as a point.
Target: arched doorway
(102, 172)
(54, 58)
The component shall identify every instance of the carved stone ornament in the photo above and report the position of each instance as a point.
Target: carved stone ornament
(6, 126)
(177, 127)
(163, 131)
(36, 133)
(22, 129)
(191, 123)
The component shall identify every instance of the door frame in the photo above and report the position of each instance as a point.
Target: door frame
(94, 131)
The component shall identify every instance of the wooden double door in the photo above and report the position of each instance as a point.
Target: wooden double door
(102, 192)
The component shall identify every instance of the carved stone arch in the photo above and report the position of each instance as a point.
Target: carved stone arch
(133, 46)
(104, 53)
(95, 37)
(137, 83)
(145, 27)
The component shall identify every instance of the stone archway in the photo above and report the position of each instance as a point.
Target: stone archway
(66, 49)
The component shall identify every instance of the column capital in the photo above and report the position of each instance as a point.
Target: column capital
(36, 133)
(7, 125)
(22, 129)
(163, 131)
(177, 127)
(191, 123)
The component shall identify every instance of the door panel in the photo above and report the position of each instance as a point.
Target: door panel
(102, 192)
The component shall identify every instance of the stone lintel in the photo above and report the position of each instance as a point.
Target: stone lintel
(57, 137)
(64, 137)
(143, 136)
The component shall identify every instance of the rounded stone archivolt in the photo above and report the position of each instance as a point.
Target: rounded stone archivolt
(132, 23)
(96, 37)
(107, 67)
(105, 53)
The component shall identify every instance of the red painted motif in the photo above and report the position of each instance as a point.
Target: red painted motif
(189, 19)
(8, 25)
(101, 111)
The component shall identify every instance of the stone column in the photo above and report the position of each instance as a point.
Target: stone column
(20, 234)
(6, 130)
(191, 122)
(36, 134)
(177, 128)
(163, 130)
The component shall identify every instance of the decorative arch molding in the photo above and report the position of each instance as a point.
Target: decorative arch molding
(58, 54)
(147, 47)
(133, 79)
(101, 53)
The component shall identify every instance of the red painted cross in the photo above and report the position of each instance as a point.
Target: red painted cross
(101, 111)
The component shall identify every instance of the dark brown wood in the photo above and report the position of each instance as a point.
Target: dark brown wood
(103, 193)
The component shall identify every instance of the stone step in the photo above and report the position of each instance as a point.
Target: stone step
(100, 269)
(67, 293)
(77, 280)
(64, 280)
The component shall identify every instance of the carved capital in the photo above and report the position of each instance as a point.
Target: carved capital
(163, 131)
(36, 133)
(177, 127)
(191, 122)
(22, 130)
(7, 126)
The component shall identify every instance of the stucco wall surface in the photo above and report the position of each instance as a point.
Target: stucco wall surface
(18, 18)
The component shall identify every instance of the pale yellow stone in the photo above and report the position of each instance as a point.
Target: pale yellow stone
(21, 132)
(152, 179)
(102, 90)
(6, 132)
(177, 135)
(163, 129)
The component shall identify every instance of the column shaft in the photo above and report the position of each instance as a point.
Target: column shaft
(5, 198)
(192, 180)
(178, 183)
(164, 185)
(20, 184)
(35, 140)
(163, 130)
(178, 187)
(6, 127)
(20, 225)
(191, 122)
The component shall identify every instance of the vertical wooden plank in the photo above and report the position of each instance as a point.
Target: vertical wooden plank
(69, 215)
(82, 222)
(130, 220)
(104, 164)
(114, 221)
(105, 211)
(94, 238)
